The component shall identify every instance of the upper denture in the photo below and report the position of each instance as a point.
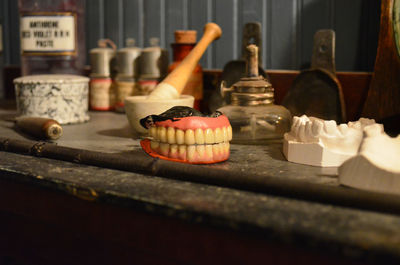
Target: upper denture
(191, 137)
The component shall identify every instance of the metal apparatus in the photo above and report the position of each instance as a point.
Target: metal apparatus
(253, 116)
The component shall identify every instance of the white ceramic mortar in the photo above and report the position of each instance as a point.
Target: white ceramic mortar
(138, 107)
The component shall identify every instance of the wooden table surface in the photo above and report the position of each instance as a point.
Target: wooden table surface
(71, 213)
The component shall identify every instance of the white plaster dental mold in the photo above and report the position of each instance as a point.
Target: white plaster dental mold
(377, 166)
(317, 142)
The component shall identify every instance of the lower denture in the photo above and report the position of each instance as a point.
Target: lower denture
(215, 152)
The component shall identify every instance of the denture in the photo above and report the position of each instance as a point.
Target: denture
(183, 134)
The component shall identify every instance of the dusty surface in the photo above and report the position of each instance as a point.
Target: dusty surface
(360, 234)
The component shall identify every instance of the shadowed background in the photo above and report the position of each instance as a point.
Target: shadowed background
(288, 27)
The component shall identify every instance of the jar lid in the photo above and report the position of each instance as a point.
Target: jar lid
(102, 51)
(56, 78)
(130, 50)
(185, 36)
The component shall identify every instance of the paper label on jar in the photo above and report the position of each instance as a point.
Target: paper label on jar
(48, 33)
(146, 87)
(102, 94)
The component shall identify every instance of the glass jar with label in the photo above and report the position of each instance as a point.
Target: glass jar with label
(52, 34)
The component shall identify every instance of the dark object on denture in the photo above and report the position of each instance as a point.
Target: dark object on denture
(174, 114)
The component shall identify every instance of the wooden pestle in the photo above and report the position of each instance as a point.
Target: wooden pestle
(172, 86)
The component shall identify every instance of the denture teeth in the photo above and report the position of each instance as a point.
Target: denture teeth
(227, 147)
(191, 152)
(154, 145)
(180, 136)
(199, 136)
(218, 135)
(173, 152)
(171, 135)
(153, 132)
(229, 133)
(164, 149)
(209, 151)
(162, 134)
(225, 134)
(182, 152)
(216, 149)
(201, 150)
(189, 137)
(209, 136)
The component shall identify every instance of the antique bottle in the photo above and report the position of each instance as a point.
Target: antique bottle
(153, 66)
(254, 117)
(52, 36)
(102, 65)
(185, 40)
(127, 73)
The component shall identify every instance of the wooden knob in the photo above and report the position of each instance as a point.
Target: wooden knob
(214, 30)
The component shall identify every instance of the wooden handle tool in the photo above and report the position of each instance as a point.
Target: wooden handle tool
(317, 92)
(42, 128)
(173, 84)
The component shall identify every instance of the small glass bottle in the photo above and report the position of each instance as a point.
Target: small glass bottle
(52, 36)
(185, 40)
(254, 117)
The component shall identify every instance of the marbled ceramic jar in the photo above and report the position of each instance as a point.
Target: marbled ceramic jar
(60, 97)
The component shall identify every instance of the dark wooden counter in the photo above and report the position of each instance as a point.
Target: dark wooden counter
(54, 211)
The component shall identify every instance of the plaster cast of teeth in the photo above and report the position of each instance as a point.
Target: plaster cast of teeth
(318, 142)
(377, 165)
(186, 135)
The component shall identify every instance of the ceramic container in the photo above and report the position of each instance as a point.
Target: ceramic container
(153, 61)
(138, 107)
(63, 98)
(128, 60)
